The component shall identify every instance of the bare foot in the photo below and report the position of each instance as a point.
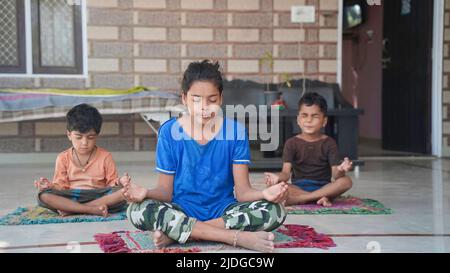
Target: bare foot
(161, 240)
(324, 201)
(298, 200)
(64, 213)
(260, 241)
(134, 193)
(101, 210)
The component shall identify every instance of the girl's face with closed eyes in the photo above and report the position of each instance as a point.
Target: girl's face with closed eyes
(203, 101)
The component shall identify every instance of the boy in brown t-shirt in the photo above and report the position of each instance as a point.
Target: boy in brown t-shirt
(312, 158)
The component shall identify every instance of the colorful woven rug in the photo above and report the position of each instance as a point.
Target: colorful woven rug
(39, 215)
(286, 236)
(23, 104)
(343, 205)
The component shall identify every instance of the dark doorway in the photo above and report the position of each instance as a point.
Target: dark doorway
(406, 94)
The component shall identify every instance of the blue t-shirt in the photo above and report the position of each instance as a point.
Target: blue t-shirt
(203, 174)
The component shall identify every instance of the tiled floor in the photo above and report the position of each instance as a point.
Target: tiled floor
(368, 147)
(418, 191)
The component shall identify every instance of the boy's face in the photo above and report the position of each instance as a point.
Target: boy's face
(203, 101)
(83, 143)
(310, 119)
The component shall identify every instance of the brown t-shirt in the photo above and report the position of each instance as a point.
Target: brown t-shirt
(311, 160)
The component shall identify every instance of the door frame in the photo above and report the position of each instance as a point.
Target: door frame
(339, 42)
(436, 90)
(436, 63)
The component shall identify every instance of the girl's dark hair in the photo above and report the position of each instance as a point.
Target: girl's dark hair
(202, 71)
(83, 118)
(310, 98)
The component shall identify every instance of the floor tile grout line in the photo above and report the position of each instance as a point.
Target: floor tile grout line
(330, 235)
(44, 245)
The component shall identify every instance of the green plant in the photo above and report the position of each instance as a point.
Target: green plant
(268, 60)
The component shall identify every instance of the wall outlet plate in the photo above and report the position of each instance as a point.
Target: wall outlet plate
(303, 14)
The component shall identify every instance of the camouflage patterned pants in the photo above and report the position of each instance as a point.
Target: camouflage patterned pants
(169, 218)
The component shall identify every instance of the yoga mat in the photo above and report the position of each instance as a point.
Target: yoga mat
(38, 216)
(286, 236)
(343, 205)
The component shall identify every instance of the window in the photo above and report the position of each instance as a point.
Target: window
(12, 40)
(56, 37)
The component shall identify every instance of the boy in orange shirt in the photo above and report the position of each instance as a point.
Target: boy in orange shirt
(85, 179)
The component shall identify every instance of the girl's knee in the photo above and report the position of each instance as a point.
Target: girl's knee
(256, 216)
(139, 214)
(277, 216)
(153, 215)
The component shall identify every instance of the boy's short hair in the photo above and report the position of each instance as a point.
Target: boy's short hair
(202, 71)
(312, 98)
(83, 118)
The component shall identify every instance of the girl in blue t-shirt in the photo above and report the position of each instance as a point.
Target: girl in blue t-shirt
(203, 190)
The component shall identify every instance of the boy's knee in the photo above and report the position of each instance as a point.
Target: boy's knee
(45, 196)
(44, 200)
(347, 182)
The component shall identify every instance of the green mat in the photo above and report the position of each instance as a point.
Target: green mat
(38, 216)
(343, 205)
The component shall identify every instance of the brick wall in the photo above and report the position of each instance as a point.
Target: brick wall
(119, 133)
(150, 42)
(446, 82)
